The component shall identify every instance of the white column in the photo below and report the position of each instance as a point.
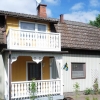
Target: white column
(59, 59)
(61, 69)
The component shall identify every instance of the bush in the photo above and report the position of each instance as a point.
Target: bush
(88, 91)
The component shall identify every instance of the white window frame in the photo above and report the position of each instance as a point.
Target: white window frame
(27, 69)
(36, 28)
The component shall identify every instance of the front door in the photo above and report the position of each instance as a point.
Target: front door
(34, 71)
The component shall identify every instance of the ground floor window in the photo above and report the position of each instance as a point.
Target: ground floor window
(78, 70)
(34, 71)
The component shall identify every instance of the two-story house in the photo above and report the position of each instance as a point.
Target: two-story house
(33, 51)
(35, 46)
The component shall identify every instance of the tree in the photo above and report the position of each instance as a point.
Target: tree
(96, 22)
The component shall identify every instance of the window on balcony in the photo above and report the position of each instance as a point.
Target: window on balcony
(78, 70)
(41, 27)
(33, 26)
(27, 26)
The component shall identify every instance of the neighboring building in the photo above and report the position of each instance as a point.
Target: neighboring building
(38, 46)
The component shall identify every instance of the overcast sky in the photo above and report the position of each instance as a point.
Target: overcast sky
(76, 10)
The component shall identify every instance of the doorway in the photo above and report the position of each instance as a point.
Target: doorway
(34, 71)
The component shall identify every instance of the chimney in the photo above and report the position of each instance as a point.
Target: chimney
(42, 10)
(61, 18)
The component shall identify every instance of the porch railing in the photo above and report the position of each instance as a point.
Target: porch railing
(43, 88)
(32, 40)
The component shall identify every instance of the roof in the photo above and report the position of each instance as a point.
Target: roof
(29, 16)
(77, 35)
(74, 35)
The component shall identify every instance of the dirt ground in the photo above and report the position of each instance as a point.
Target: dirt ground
(83, 97)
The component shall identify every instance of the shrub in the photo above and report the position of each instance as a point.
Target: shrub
(88, 91)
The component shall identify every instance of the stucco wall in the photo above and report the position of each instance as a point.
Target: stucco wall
(13, 22)
(19, 68)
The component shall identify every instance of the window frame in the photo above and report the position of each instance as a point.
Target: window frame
(36, 26)
(84, 69)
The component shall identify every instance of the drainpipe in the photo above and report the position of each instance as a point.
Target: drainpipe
(9, 75)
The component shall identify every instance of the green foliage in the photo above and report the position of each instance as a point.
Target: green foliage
(50, 97)
(76, 89)
(87, 98)
(33, 90)
(96, 22)
(88, 91)
(95, 86)
(95, 98)
(98, 91)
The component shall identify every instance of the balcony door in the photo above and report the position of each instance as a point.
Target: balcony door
(34, 71)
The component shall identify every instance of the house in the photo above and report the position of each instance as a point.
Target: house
(82, 41)
(32, 50)
(35, 46)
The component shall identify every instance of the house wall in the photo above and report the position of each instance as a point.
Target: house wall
(92, 71)
(2, 78)
(19, 68)
(13, 22)
(46, 68)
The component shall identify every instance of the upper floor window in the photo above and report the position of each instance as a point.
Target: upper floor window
(27, 26)
(78, 70)
(33, 26)
(41, 27)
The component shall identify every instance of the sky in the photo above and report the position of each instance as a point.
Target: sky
(75, 10)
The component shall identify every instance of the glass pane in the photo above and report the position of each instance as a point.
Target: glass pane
(77, 74)
(77, 67)
(41, 27)
(27, 26)
(78, 70)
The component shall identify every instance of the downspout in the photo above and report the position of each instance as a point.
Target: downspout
(10, 74)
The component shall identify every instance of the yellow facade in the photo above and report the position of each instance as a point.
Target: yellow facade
(19, 68)
(46, 68)
(13, 23)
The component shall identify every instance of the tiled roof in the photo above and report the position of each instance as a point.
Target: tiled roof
(15, 14)
(79, 35)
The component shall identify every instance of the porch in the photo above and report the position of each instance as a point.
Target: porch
(44, 88)
(44, 67)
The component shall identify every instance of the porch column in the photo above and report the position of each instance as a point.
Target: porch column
(61, 77)
(61, 72)
(9, 74)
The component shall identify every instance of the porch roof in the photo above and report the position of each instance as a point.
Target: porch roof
(32, 51)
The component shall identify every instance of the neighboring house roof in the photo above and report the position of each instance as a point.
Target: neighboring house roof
(29, 16)
(77, 35)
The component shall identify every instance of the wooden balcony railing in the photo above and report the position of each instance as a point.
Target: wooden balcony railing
(31, 40)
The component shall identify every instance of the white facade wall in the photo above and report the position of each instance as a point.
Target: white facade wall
(92, 71)
(2, 78)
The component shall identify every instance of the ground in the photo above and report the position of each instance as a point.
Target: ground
(83, 97)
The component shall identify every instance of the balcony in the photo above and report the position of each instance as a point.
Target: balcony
(32, 40)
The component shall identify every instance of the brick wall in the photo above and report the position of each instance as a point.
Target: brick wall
(42, 10)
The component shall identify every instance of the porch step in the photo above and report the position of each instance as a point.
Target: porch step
(56, 97)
